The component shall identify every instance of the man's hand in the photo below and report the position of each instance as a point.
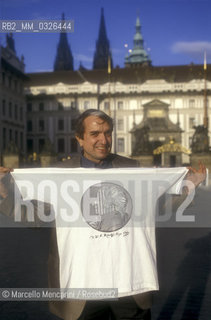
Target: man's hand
(195, 177)
(3, 189)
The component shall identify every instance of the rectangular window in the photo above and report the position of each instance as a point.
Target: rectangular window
(15, 84)
(41, 106)
(191, 103)
(61, 145)
(16, 112)
(41, 125)
(10, 134)
(191, 122)
(73, 145)
(106, 105)
(120, 124)
(21, 139)
(41, 144)
(21, 113)
(120, 105)
(4, 138)
(21, 87)
(3, 107)
(29, 126)
(30, 146)
(10, 82)
(16, 137)
(10, 109)
(73, 124)
(73, 105)
(60, 124)
(86, 104)
(120, 145)
(3, 78)
(29, 107)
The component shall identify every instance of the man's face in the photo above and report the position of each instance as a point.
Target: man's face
(97, 139)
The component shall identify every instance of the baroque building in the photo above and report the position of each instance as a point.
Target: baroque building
(12, 101)
(55, 99)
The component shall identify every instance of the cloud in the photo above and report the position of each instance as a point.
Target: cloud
(82, 57)
(195, 48)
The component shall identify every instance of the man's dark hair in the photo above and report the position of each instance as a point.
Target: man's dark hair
(79, 127)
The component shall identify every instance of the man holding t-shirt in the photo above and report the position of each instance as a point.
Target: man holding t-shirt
(94, 135)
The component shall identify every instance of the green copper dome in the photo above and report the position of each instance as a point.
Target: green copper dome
(138, 54)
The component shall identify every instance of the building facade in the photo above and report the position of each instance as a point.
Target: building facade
(12, 101)
(55, 99)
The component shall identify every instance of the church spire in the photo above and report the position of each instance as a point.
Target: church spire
(138, 56)
(102, 52)
(64, 57)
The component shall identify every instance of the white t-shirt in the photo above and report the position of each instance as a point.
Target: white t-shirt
(105, 223)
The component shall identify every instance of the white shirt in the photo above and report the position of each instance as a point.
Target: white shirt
(105, 223)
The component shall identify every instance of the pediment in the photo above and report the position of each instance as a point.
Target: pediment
(156, 103)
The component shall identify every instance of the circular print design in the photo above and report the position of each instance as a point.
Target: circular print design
(106, 206)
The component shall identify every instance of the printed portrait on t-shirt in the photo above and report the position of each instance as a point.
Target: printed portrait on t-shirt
(106, 206)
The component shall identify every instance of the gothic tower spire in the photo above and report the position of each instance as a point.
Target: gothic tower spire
(64, 57)
(102, 51)
(138, 56)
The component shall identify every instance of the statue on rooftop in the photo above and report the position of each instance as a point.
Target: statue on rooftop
(200, 140)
